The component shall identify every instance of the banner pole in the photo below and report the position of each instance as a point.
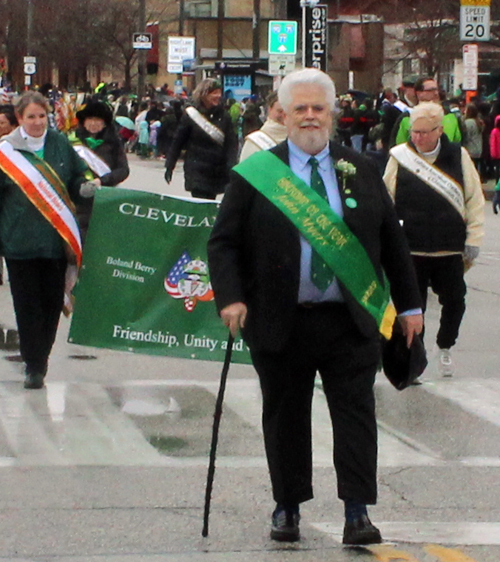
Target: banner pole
(215, 434)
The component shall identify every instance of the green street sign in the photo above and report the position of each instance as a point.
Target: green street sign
(282, 38)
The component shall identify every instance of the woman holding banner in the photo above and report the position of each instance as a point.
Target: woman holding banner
(98, 144)
(40, 178)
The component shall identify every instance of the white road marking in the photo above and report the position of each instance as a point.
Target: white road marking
(480, 397)
(78, 424)
(455, 533)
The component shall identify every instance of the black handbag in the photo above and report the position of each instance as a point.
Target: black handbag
(403, 365)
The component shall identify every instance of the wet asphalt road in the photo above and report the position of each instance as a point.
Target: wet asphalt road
(108, 463)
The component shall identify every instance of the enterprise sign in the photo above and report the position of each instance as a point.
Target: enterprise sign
(316, 37)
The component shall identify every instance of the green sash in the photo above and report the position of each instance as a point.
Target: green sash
(327, 233)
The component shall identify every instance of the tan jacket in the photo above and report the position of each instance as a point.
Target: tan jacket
(273, 129)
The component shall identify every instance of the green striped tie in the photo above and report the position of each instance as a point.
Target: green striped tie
(321, 275)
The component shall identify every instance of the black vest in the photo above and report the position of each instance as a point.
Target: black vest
(431, 223)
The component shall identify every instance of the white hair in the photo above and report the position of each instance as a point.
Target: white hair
(429, 110)
(306, 76)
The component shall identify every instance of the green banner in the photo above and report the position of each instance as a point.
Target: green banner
(144, 285)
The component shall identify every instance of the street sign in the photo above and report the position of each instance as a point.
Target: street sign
(282, 38)
(316, 45)
(280, 65)
(470, 61)
(29, 59)
(180, 49)
(174, 67)
(142, 40)
(29, 68)
(475, 20)
(178, 89)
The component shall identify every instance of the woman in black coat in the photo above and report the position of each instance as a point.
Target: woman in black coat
(96, 131)
(206, 133)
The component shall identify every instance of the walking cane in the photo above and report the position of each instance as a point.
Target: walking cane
(215, 434)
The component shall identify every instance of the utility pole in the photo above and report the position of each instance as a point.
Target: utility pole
(29, 27)
(141, 55)
(181, 18)
(256, 30)
(220, 31)
(29, 70)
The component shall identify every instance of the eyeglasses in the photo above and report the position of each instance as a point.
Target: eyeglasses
(424, 133)
(430, 90)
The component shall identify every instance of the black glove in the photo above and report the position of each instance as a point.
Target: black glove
(168, 175)
(496, 202)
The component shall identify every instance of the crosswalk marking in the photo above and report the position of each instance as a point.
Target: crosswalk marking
(78, 424)
(453, 533)
(81, 427)
(480, 397)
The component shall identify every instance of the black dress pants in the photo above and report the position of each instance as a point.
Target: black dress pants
(445, 276)
(324, 339)
(37, 287)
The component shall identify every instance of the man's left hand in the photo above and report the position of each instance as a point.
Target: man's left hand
(412, 325)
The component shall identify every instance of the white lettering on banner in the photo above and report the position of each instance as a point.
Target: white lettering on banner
(128, 276)
(145, 268)
(191, 341)
(152, 213)
(119, 262)
(151, 337)
(180, 220)
(237, 346)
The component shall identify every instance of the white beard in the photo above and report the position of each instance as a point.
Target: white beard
(310, 142)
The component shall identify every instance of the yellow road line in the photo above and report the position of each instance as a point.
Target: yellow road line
(447, 554)
(385, 553)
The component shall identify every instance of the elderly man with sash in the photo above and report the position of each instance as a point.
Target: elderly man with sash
(438, 197)
(304, 257)
(271, 133)
(40, 180)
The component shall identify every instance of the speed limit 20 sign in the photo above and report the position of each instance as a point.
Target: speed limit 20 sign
(475, 20)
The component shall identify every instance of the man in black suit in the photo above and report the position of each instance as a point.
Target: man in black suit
(298, 317)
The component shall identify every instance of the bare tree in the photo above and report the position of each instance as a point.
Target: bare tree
(120, 23)
(69, 35)
(431, 32)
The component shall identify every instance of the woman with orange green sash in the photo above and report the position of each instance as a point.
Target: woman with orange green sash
(40, 179)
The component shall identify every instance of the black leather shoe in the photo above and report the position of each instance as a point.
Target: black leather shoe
(285, 524)
(34, 381)
(361, 531)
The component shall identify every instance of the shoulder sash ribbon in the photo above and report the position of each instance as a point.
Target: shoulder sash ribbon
(94, 162)
(209, 128)
(262, 140)
(324, 230)
(435, 178)
(43, 187)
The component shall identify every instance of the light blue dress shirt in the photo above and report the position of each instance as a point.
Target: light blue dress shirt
(299, 163)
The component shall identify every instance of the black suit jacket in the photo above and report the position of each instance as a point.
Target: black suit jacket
(254, 252)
